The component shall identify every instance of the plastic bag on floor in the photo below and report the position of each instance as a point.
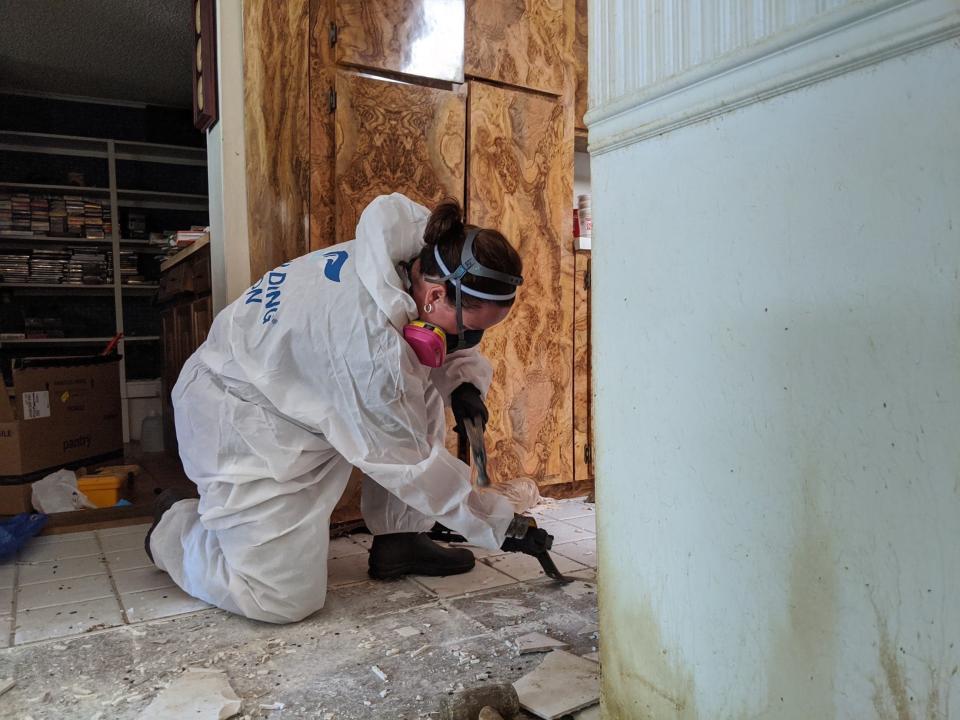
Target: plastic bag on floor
(522, 492)
(15, 531)
(58, 492)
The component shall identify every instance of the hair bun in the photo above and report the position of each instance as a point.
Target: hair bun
(445, 224)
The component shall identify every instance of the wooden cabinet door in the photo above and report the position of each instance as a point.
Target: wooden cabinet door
(580, 58)
(183, 320)
(582, 388)
(395, 137)
(423, 38)
(517, 42)
(202, 311)
(521, 155)
(168, 335)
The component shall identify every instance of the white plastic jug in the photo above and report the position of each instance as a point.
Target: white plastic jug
(151, 433)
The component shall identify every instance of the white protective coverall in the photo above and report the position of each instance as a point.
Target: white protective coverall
(304, 376)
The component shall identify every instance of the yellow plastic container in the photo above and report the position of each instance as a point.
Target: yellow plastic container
(103, 490)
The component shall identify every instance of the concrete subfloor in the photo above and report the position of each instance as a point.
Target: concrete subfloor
(427, 645)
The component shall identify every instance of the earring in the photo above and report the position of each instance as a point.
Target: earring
(428, 308)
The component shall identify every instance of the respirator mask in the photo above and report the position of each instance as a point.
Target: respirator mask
(432, 343)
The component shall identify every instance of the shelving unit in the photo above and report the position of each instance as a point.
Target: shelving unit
(166, 182)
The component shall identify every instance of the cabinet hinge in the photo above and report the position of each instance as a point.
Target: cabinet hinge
(332, 33)
(588, 454)
(332, 100)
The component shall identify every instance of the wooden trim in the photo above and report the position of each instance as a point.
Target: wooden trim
(204, 71)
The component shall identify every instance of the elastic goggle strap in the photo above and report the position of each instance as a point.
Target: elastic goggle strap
(469, 265)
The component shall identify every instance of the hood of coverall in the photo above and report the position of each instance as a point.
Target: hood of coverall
(378, 254)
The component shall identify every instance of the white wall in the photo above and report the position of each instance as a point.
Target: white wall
(776, 338)
(226, 171)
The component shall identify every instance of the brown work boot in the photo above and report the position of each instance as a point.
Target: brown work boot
(398, 554)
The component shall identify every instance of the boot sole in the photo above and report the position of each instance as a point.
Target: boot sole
(415, 569)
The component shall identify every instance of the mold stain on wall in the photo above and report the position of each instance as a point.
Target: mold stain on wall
(893, 698)
(802, 667)
(641, 678)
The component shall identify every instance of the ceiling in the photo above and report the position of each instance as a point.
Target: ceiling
(131, 50)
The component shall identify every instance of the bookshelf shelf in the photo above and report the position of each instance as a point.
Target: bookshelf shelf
(71, 306)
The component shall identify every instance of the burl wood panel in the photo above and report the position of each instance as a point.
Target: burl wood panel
(582, 395)
(395, 137)
(518, 42)
(322, 134)
(521, 177)
(277, 130)
(580, 56)
(422, 38)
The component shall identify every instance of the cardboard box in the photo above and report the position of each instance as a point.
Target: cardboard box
(16, 499)
(62, 411)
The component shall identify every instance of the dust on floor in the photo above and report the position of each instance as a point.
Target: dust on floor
(426, 638)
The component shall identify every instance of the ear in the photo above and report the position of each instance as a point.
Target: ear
(436, 294)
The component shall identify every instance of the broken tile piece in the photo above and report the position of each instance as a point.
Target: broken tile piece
(407, 631)
(595, 656)
(538, 642)
(198, 693)
(562, 684)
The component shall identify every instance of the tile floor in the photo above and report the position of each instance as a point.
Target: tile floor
(430, 636)
(65, 585)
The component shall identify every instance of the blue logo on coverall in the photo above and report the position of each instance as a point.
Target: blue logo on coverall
(335, 261)
(256, 294)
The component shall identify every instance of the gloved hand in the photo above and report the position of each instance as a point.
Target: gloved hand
(524, 536)
(467, 403)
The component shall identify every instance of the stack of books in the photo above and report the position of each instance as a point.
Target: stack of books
(21, 212)
(86, 267)
(48, 266)
(58, 215)
(129, 271)
(6, 213)
(14, 266)
(39, 215)
(74, 205)
(93, 219)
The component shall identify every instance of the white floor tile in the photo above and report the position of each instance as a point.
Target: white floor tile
(362, 539)
(567, 509)
(61, 537)
(62, 592)
(154, 604)
(344, 547)
(583, 551)
(118, 560)
(123, 529)
(7, 572)
(478, 552)
(62, 569)
(6, 626)
(48, 551)
(564, 533)
(589, 575)
(64, 620)
(587, 522)
(525, 567)
(482, 577)
(346, 570)
(6, 602)
(141, 579)
(124, 541)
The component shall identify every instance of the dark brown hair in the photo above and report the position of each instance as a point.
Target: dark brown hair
(447, 231)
